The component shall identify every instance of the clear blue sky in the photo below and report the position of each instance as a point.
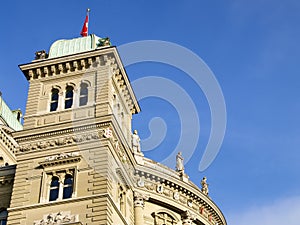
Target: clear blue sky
(253, 49)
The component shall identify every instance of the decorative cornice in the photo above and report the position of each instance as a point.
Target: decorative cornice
(62, 131)
(176, 192)
(81, 63)
(75, 138)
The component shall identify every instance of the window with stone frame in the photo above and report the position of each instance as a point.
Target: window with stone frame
(69, 97)
(59, 182)
(61, 185)
(3, 216)
(54, 99)
(163, 218)
(83, 95)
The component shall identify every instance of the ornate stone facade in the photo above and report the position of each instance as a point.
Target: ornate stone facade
(77, 160)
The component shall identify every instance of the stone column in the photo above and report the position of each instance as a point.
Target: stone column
(187, 218)
(76, 97)
(139, 203)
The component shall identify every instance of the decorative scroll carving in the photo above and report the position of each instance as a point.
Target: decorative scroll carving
(107, 133)
(57, 218)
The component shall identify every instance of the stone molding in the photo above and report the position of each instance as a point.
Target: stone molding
(178, 193)
(62, 132)
(85, 63)
(75, 136)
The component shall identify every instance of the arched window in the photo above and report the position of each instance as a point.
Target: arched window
(69, 97)
(83, 98)
(3, 216)
(54, 99)
(68, 186)
(163, 218)
(54, 188)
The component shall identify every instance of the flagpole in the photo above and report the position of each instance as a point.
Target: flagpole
(85, 29)
(88, 15)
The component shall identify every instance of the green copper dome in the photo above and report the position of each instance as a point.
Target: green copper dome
(77, 45)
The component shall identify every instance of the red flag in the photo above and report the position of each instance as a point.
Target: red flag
(85, 28)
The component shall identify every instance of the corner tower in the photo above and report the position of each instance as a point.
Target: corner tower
(74, 156)
(77, 161)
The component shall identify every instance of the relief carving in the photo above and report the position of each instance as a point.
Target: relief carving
(57, 218)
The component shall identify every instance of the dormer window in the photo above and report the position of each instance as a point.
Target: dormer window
(69, 97)
(83, 98)
(54, 99)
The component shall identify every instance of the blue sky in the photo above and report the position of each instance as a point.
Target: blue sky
(253, 49)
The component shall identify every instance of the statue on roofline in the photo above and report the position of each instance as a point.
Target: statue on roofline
(103, 42)
(204, 185)
(179, 162)
(136, 146)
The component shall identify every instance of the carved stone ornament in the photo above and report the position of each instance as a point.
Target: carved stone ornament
(141, 182)
(188, 217)
(61, 158)
(41, 54)
(160, 188)
(107, 133)
(139, 199)
(57, 218)
(58, 142)
(176, 195)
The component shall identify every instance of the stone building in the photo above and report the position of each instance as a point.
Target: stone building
(76, 159)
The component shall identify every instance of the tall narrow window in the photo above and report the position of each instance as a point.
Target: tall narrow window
(69, 97)
(3, 217)
(54, 99)
(54, 188)
(68, 186)
(83, 98)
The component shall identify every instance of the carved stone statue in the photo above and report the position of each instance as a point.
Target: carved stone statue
(41, 54)
(136, 147)
(204, 185)
(179, 162)
(104, 42)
